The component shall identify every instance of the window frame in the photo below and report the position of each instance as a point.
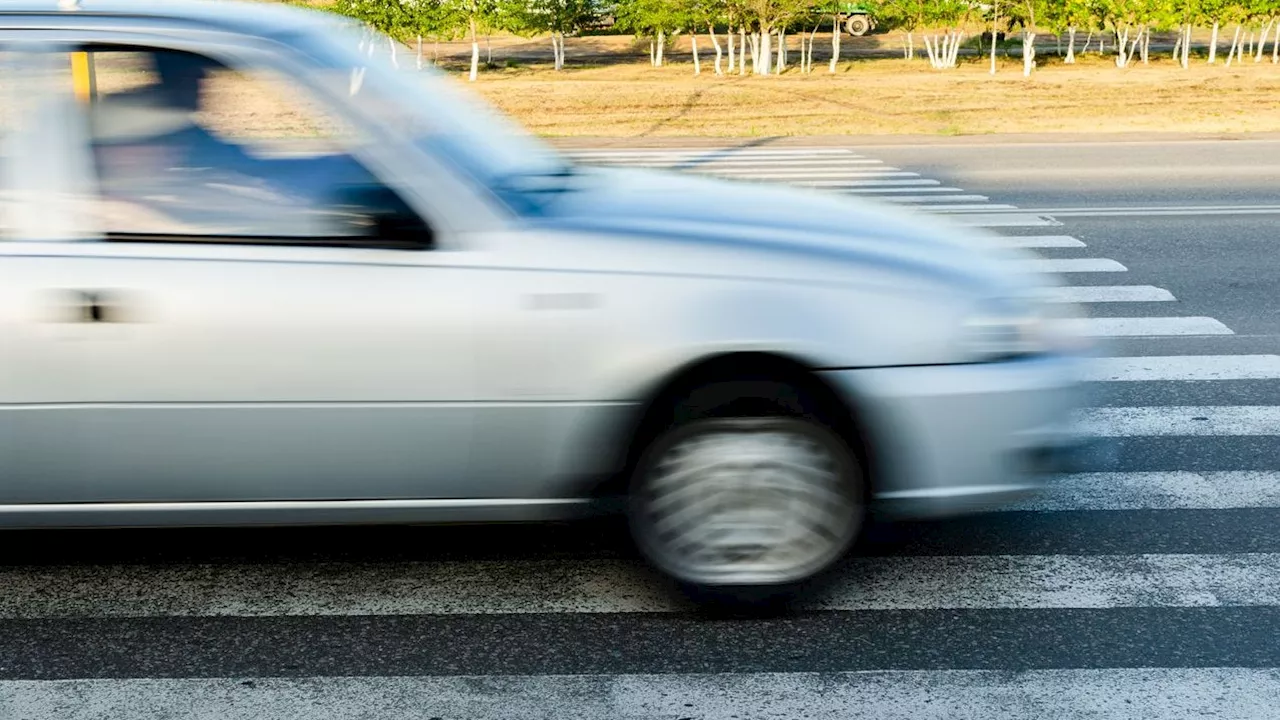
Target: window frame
(454, 210)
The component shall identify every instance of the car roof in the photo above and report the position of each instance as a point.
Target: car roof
(253, 18)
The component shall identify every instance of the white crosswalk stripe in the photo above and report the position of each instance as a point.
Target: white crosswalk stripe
(1185, 367)
(1158, 491)
(1091, 567)
(1153, 326)
(1231, 693)
(1110, 294)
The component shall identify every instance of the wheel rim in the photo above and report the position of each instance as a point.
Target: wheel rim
(747, 503)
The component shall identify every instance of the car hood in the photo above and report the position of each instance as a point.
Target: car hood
(776, 219)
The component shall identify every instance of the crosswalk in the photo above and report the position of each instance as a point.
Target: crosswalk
(1145, 587)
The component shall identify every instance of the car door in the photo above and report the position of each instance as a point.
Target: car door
(234, 319)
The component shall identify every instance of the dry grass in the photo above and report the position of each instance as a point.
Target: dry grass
(888, 96)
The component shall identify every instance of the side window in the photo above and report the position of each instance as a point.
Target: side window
(187, 149)
(8, 113)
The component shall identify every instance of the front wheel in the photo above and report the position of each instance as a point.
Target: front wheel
(746, 508)
(857, 25)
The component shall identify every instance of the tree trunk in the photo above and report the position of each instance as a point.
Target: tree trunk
(475, 52)
(1186, 49)
(1028, 52)
(391, 44)
(488, 51)
(662, 45)
(1262, 40)
(1087, 39)
(782, 51)
(653, 54)
(1122, 43)
(1248, 44)
(835, 43)
(419, 52)
(1234, 44)
(1071, 46)
(755, 54)
(995, 22)
(1146, 46)
(1177, 47)
(697, 65)
(766, 50)
(742, 50)
(732, 56)
(716, 42)
(435, 51)
(812, 38)
(1213, 44)
(928, 48)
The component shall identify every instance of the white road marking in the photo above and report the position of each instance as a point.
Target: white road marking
(1184, 367)
(1038, 241)
(1071, 265)
(734, 162)
(938, 198)
(1154, 326)
(1207, 210)
(804, 174)
(1179, 420)
(1110, 293)
(574, 585)
(965, 208)
(835, 184)
(711, 152)
(1232, 693)
(1157, 491)
(1004, 220)
(892, 190)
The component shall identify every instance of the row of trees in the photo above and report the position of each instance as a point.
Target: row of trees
(757, 31)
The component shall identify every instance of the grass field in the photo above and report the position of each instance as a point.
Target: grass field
(888, 96)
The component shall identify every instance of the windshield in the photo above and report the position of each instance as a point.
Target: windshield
(433, 112)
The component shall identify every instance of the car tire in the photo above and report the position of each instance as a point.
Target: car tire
(746, 502)
(857, 25)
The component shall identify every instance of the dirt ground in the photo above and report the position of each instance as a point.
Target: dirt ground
(889, 96)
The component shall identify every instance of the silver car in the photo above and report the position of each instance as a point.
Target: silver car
(257, 268)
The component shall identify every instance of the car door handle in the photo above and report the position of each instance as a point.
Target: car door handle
(95, 306)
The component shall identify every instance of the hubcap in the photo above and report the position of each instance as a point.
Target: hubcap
(741, 505)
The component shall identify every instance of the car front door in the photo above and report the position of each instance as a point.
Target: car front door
(250, 307)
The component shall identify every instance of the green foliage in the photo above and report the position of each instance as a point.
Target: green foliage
(534, 17)
(404, 19)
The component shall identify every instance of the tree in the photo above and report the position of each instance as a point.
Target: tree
(906, 15)
(652, 19)
(769, 16)
(1071, 16)
(946, 18)
(553, 17)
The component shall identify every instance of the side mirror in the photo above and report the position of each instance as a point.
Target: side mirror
(377, 215)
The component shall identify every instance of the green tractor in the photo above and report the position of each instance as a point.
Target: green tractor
(856, 18)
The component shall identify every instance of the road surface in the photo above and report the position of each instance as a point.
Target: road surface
(1146, 587)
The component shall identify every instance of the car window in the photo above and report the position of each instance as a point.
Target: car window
(7, 122)
(186, 149)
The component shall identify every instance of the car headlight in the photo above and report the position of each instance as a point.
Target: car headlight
(1008, 328)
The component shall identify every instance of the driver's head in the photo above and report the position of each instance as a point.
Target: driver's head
(181, 75)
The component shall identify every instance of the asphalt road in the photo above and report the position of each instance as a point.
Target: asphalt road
(1148, 587)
